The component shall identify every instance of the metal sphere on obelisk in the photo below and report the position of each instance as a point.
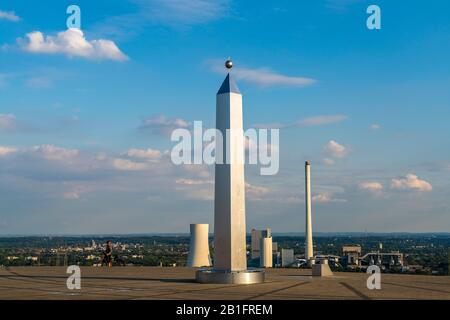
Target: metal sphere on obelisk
(229, 64)
(230, 247)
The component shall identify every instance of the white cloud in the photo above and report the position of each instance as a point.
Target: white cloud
(196, 189)
(255, 192)
(322, 120)
(128, 165)
(71, 43)
(52, 152)
(375, 127)
(9, 15)
(411, 182)
(266, 77)
(148, 154)
(335, 149)
(326, 198)
(261, 76)
(162, 125)
(371, 186)
(7, 122)
(193, 182)
(4, 151)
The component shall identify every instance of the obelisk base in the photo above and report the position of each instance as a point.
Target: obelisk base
(250, 276)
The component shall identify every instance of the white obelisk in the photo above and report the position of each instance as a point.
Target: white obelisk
(308, 224)
(230, 248)
(229, 205)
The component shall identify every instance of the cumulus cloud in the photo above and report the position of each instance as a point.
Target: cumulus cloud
(9, 15)
(335, 149)
(326, 198)
(162, 125)
(411, 182)
(71, 43)
(128, 165)
(371, 186)
(52, 152)
(149, 155)
(7, 122)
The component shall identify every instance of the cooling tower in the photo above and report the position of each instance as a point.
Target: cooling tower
(199, 246)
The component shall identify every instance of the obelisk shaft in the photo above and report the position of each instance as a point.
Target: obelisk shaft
(230, 253)
(308, 224)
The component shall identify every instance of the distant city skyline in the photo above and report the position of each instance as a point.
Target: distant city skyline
(86, 115)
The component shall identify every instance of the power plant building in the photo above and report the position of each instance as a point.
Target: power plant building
(287, 257)
(256, 236)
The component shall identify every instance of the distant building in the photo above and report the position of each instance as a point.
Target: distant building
(287, 257)
(257, 235)
(34, 259)
(352, 255)
(389, 259)
(12, 258)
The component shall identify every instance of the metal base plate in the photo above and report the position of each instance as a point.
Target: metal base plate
(249, 276)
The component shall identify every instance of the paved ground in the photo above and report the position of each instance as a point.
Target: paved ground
(178, 283)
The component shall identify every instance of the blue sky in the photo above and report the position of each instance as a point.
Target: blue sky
(83, 128)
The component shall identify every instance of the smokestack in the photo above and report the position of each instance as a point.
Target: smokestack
(308, 225)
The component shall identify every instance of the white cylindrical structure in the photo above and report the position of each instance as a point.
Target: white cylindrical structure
(308, 224)
(265, 253)
(199, 246)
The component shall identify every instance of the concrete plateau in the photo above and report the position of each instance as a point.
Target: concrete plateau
(179, 283)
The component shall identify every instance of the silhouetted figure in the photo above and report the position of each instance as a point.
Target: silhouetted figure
(107, 257)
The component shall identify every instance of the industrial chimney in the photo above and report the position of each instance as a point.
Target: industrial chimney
(309, 255)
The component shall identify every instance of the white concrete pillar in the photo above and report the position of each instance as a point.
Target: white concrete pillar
(266, 254)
